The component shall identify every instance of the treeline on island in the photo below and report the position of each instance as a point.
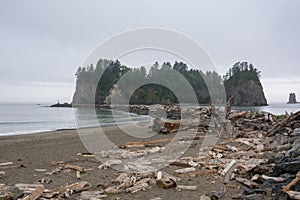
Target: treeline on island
(165, 84)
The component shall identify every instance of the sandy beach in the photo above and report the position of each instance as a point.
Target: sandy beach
(46, 150)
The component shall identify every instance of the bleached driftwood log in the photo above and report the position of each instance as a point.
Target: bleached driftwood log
(246, 182)
(185, 170)
(187, 187)
(87, 195)
(37, 193)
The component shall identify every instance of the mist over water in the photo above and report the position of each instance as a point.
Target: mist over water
(18, 119)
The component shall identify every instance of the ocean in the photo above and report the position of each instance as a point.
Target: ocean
(17, 119)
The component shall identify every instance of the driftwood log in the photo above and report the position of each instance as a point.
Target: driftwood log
(288, 186)
(280, 126)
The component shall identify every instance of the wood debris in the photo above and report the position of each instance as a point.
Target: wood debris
(246, 182)
(6, 195)
(285, 188)
(87, 195)
(37, 193)
(109, 163)
(187, 187)
(294, 194)
(185, 170)
(6, 164)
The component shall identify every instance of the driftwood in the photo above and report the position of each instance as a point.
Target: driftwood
(112, 190)
(37, 193)
(228, 105)
(202, 172)
(27, 188)
(246, 182)
(247, 165)
(293, 182)
(75, 187)
(6, 195)
(187, 187)
(180, 163)
(220, 148)
(87, 195)
(185, 170)
(227, 167)
(6, 164)
(109, 163)
(87, 154)
(56, 170)
(228, 171)
(232, 148)
(280, 125)
(294, 194)
(144, 143)
(76, 168)
(237, 115)
(277, 179)
(40, 170)
(138, 187)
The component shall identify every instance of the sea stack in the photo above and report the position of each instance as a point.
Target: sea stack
(243, 82)
(292, 98)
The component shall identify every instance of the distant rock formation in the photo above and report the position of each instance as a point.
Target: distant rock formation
(292, 98)
(242, 82)
(95, 85)
(62, 105)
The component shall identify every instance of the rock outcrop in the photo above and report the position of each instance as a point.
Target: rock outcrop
(249, 93)
(242, 82)
(292, 98)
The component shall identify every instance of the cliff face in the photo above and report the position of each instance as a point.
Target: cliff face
(84, 94)
(249, 93)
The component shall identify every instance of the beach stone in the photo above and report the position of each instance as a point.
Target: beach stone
(6, 195)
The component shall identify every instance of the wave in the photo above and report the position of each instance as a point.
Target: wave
(21, 122)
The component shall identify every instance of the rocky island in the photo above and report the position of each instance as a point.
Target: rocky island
(241, 81)
(292, 98)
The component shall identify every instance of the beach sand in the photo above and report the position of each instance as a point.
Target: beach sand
(45, 150)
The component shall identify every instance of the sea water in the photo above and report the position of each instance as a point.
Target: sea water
(17, 119)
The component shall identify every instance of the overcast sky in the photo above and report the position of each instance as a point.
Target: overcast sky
(43, 42)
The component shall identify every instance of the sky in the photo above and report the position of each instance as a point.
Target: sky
(44, 42)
